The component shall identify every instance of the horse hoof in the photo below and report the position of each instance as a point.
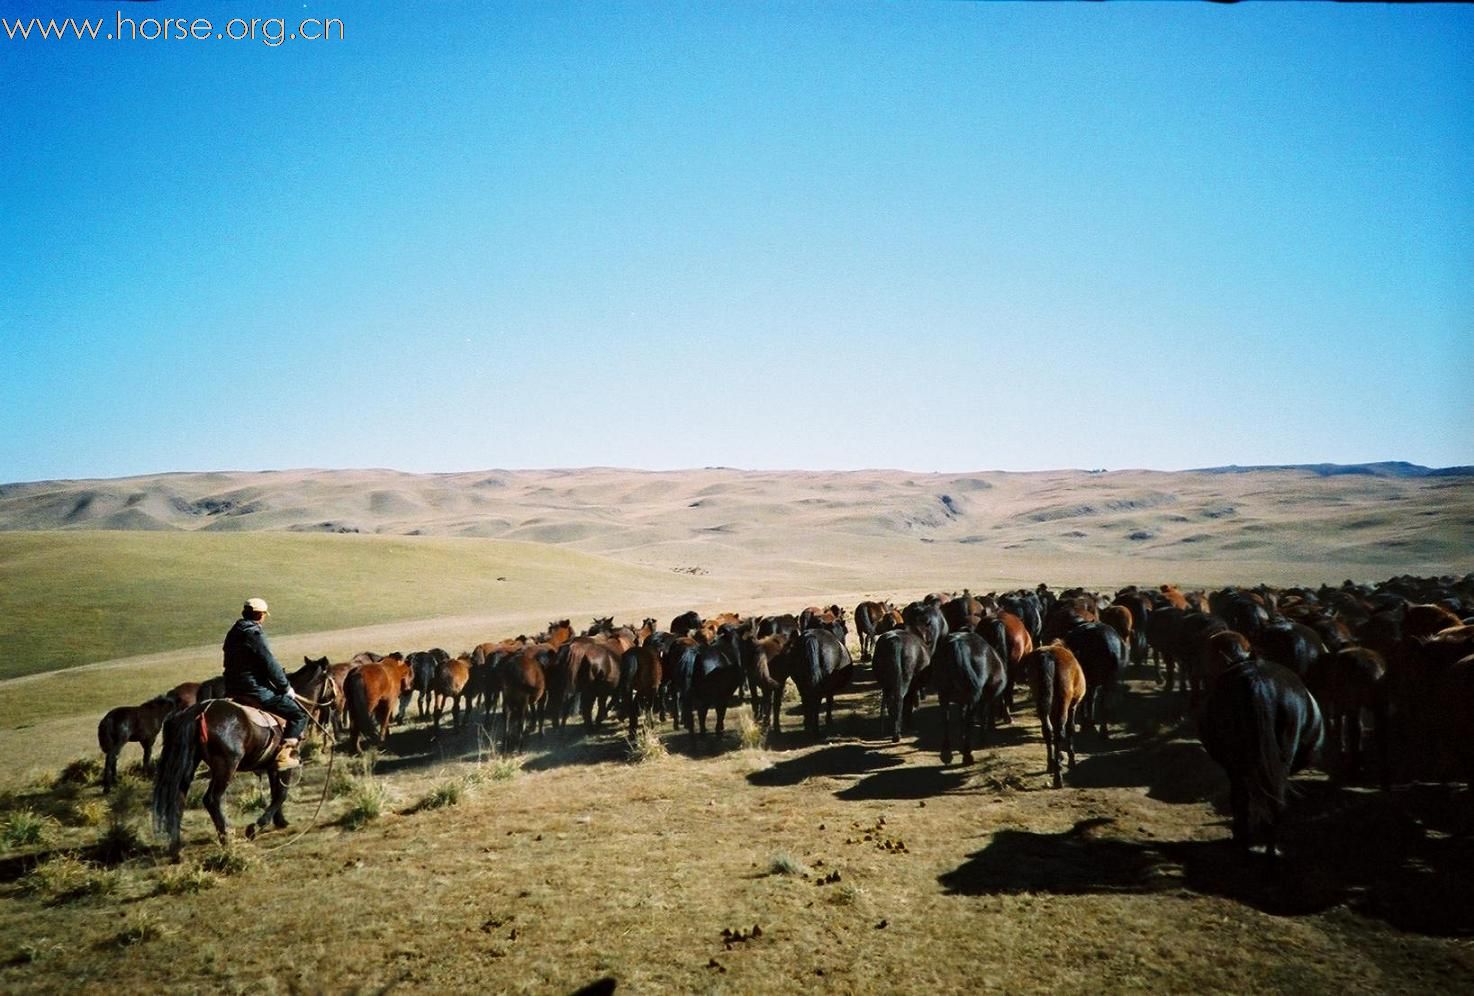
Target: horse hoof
(251, 831)
(895, 738)
(1059, 780)
(967, 759)
(946, 757)
(280, 822)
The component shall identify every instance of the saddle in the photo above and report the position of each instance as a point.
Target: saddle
(269, 722)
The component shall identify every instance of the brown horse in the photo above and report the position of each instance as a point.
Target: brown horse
(559, 632)
(184, 694)
(1344, 684)
(524, 689)
(372, 691)
(592, 664)
(131, 724)
(1059, 688)
(649, 673)
(867, 617)
(450, 681)
(229, 737)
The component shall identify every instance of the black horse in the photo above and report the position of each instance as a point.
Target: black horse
(969, 672)
(897, 658)
(422, 665)
(1262, 725)
(1102, 655)
(820, 667)
(715, 673)
(221, 733)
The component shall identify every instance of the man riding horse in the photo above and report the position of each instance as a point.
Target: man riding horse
(253, 674)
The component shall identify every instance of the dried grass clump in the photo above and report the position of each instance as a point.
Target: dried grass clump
(144, 927)
(367, 800)
(66, 877)
(751, 735)
(496, 768)
(83, 771)
(448, 793)
(88, 813)
(230, 861)
(186, 881)
(786, 864)
(646, 745)
(27, 828)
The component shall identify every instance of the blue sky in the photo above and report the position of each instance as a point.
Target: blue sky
(791, 235)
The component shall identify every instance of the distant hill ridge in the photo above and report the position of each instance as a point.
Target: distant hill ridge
(1386, 468)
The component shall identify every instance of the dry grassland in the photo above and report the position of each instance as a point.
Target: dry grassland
(579, 863)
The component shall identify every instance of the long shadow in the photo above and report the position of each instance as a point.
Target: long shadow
(1377, 853)
(838, 760)
(904, 783)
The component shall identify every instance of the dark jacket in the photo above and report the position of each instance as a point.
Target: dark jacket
(249, 664)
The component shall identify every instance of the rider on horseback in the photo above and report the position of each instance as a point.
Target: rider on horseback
(252, 673)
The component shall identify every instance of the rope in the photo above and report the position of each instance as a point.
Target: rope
(327, 781)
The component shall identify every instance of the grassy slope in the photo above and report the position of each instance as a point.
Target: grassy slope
(72, 598)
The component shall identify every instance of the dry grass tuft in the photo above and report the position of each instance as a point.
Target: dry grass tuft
(646, 745)
(496, 768)
(367, 800)
(254, 799)
(751, 735)
(447, 793)
(119, 842)
(230, 861)
(784, 863)
(186, 881)
(142, 928)
(88, 813)
(27, 828)
(83, 771)
(66, 877)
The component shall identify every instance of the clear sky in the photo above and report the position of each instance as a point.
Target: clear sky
(782, 235)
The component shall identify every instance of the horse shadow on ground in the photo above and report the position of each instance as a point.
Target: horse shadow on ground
(841, 760)
(1383, 855)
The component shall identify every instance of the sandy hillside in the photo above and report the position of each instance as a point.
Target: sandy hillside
(1217, 526)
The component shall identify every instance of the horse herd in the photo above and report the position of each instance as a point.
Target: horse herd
(1270, 674)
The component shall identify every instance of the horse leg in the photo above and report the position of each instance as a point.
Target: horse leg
(968, 710)
(148, 755)
(222, 770)
(1353, 736)
(1069, 732)
(946, 705)
(721, 718)
(109, 771)
(1239, 802)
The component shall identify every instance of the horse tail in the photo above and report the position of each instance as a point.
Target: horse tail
(1266, 771)
(178, 759)
(1044, 690)
(358, 709)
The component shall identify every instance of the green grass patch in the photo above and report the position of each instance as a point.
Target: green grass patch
(77, 597)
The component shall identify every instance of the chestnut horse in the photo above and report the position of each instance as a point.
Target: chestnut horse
(449, 682)
(372, 691)
(524, 690)
(131, 724)
(1059, 688)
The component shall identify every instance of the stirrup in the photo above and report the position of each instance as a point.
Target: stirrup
(287, 759)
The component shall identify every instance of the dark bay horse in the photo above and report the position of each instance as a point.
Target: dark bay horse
(1261, 725)
(131, 724)
(223, 734)
(968, 671)
(897, 658)
(372, 691)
